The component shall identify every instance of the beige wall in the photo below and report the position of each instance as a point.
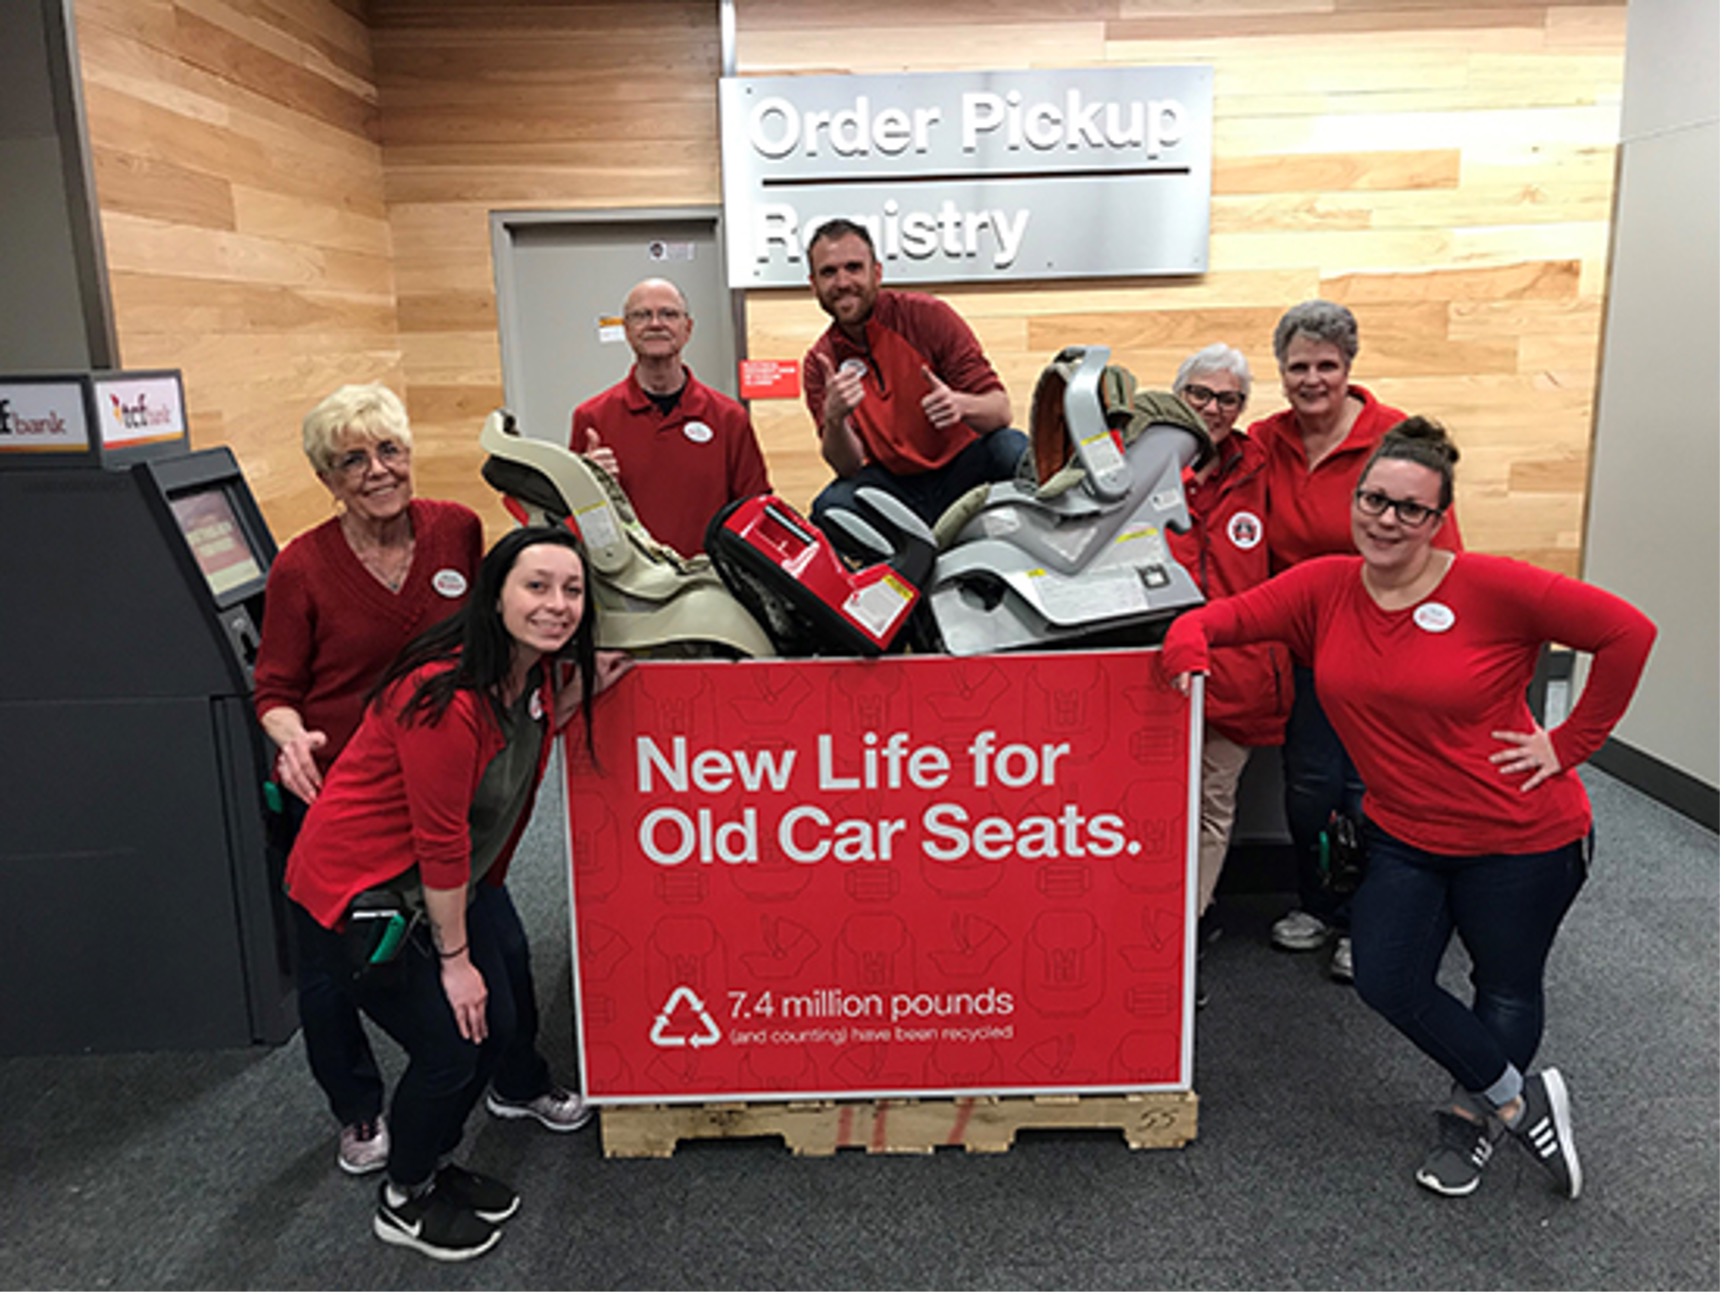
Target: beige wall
(295, 196)
(1652, 529)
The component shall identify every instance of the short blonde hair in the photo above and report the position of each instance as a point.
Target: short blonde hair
(369, 408)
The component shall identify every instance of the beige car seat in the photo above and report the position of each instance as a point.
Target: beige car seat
(648, 597)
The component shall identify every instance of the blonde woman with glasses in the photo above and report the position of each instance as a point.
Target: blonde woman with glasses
(343, 599)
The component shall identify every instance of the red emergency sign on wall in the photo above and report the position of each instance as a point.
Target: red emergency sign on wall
(769, 379)
(914, 875)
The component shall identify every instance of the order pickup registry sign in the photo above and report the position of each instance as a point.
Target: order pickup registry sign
(914, 875)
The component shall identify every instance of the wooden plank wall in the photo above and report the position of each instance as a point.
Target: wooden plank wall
(295, 193)
(239, 175)
(522, 106)
(1444, 169)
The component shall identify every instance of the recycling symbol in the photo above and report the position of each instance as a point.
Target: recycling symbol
(684, 997)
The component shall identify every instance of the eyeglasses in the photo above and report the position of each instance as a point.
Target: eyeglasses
(356, 463)
(664, 315)
(1197, 397)
(1409, 512)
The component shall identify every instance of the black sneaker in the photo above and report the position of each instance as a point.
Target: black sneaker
(1463, 1148)
(1546, 1130)
(490, 1199)
(434, 1224)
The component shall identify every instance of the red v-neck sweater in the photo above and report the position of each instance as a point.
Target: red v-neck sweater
(330, 627)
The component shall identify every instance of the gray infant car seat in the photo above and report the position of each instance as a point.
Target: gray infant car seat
(647, 596)
(1073, 552)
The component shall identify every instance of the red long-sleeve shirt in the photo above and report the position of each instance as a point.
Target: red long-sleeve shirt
(399, 796)
(1415, 694)
(1311, 509)
(330, 628)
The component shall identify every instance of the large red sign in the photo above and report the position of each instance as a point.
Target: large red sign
(906, 876)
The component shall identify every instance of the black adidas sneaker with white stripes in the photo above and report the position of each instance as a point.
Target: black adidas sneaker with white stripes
(1546, 1130)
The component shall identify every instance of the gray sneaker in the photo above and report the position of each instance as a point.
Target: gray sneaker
(1341, 961)
(363, 1147)
(557, 1109)
(1546, 1130)
(1299, 931)
(1463, 1149)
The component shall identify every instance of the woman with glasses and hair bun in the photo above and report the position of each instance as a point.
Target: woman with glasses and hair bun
(1249, 689)
(342, 600)
(1475, 821)
(1316, 447)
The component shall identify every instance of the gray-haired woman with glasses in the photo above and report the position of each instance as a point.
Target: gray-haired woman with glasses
(1475, 822)
(1246, 699)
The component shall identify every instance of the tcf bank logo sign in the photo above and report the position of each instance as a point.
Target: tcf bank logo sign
(139, 415)
(978, 175)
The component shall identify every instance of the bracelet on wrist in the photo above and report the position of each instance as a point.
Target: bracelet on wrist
(451, 953)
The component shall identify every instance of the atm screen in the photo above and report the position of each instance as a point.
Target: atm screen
(224, 552)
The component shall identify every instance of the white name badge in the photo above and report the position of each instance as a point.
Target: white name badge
(449, 582)
(1245, 529)
(1433, 617)
(697, 431)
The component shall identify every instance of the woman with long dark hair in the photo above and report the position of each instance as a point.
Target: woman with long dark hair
(420, 816)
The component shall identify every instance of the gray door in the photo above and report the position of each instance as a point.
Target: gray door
(561, 280)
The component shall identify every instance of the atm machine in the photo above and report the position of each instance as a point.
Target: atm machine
(140, 900)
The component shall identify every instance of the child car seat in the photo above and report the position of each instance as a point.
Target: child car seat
(647, 596)
(1073, 552)
(790, 574)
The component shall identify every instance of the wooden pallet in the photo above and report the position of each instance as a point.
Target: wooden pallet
(904, 1125)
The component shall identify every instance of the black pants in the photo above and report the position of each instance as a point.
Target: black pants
(446, 1074)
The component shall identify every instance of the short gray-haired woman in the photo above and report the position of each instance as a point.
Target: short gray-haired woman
(1316, 448)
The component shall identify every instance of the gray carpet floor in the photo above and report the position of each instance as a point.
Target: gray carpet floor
(216, 1170)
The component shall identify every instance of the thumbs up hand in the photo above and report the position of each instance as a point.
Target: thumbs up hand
(602, 454)
(843, 389)
(941, 404)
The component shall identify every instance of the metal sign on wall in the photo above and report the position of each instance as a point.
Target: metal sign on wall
(964, 176)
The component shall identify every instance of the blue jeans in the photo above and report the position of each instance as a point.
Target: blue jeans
(1506, 908)
(993, 457)
(1319, 779)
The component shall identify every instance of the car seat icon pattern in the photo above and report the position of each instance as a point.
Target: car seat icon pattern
(1073, 552)
(648, 598)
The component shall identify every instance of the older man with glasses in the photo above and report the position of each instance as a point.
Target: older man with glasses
(679, 449)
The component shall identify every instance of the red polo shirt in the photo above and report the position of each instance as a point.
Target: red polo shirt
(905, 331)
(677, 468)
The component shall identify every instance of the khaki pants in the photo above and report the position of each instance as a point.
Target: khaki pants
(1223, 762)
